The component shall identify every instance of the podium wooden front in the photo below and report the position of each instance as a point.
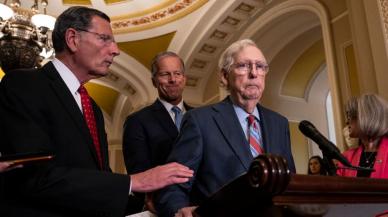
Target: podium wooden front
(269, 189)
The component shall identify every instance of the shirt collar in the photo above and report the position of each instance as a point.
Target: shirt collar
(242, 114)
(168, 105)
(67, 75)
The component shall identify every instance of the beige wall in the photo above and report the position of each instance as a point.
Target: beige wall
(357, 64)
(300, 148)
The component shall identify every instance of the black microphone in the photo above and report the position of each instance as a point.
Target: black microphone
(327, 147)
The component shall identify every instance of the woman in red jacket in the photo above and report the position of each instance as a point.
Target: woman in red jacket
(367, 119)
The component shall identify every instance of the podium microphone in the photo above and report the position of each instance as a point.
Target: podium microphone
(324, 144)
(329, 150)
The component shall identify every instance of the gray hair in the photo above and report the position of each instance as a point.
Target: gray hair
(227, 57)
(371, 113)
(77, 17)
(161, 55)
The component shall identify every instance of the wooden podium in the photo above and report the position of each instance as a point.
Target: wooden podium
(269, 189)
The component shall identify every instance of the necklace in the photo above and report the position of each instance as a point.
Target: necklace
(369, 158)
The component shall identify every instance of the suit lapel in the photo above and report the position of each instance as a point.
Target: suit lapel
(163, 117)
(187, 107)
(66, 98)
(227, 122)
(264, 124)
(101, 135)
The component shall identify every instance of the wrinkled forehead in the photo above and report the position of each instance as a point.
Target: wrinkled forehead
(100, 25)
(250, 53)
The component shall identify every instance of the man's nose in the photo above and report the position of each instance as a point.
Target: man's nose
(172, 78)
(115, 51)
(253, 72)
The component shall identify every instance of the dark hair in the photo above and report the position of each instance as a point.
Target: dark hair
(323, 170)
(159, 56)
(76, 17)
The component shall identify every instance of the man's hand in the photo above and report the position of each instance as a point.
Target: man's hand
(7, 166)
(185, 211)
(160, 176)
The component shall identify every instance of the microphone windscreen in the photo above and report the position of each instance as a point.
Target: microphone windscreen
(307, 128)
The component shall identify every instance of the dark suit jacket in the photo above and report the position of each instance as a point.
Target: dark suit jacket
(148, 137)
(39, 113)
(213, 144)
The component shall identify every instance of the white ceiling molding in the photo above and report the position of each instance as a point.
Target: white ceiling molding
(319, 10)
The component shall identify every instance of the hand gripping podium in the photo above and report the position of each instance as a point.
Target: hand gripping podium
(268, 189)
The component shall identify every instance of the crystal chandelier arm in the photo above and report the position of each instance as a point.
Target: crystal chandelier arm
(25, 34)
(15, 3)
(5, 12)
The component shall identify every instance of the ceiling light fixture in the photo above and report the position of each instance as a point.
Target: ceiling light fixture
(25, 39)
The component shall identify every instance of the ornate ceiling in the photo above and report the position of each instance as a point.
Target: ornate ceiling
(293, 35)
(288, 31)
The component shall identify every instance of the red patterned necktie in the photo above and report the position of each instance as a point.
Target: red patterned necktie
(90, 120)
(254, 136)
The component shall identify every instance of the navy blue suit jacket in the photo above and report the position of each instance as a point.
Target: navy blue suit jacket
(148, 137)
(213, 144)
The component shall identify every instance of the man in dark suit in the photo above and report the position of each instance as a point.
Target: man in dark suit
(220, 141)
(47, 110)
(150, 132)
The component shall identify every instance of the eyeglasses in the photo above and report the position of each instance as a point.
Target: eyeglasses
(106, 39)
(167, 75)
(243, 68)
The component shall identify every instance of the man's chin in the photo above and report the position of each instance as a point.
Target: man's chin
(171, 98)
(100, 73)
(251, 96)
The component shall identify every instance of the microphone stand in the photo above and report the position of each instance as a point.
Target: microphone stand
(332, 168)
(329, 164)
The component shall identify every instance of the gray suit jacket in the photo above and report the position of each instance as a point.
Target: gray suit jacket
(213, 144)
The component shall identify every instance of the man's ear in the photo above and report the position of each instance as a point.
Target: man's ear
(72, 39)
(184, 80)
(224, 77)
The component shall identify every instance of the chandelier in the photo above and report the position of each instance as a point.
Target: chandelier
(25, 35)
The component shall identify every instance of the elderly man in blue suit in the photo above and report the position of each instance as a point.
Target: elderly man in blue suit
(218, 141)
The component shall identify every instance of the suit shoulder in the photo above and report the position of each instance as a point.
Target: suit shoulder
(22, 75)
(270, 113)
(187, 106)
(202, 109)
(25, 82)
(143, 113)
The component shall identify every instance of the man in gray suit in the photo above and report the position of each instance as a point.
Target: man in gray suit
(217, 141)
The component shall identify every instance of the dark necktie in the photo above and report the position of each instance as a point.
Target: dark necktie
(254, 136)
(90, 121)
(178, 116)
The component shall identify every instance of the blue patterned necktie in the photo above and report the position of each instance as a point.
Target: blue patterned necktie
(254, 136)
(178, 116)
